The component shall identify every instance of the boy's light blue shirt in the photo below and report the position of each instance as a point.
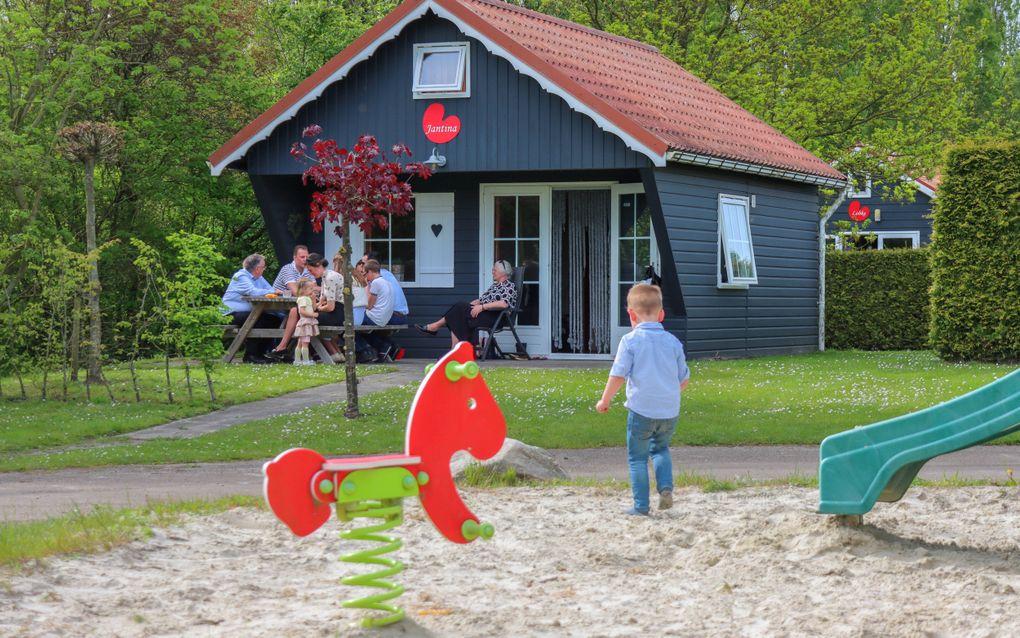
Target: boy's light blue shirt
(243, 284)
(652, 360)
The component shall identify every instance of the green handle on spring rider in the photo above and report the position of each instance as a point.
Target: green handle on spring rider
(457, 371)
(472, 529)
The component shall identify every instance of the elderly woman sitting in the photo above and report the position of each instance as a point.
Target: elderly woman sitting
(464, 316)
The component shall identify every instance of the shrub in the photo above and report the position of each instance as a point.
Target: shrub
(975, 298)
(877, 299)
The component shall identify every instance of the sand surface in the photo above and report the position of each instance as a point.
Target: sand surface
(564, 562)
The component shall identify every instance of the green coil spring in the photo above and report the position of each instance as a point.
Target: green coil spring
(391, 511)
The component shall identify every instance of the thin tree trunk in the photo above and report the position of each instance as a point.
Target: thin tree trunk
(64, 395)
(76, 337)
(134, 381)
(88, 389)
(169, 389)
(1, 388)
(350, 357)
(208, 382)
(187, 380)
(21, 382)
(95, 372)
(45, 376)
(109, 391)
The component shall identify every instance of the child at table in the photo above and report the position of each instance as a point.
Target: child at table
(308, 323)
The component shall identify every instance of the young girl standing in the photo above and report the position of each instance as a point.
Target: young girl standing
(307, 325)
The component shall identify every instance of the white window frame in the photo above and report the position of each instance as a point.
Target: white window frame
(422, 92)
(400, 240)
(861, 194)
(913, 235)
(723, 249)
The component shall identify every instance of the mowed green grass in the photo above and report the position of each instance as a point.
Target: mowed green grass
(772, 400)
(35, 423)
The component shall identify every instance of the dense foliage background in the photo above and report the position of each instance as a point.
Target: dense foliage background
(877, 299)
(903, 78)
(975, 265)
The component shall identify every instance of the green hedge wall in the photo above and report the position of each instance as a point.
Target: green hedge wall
(877, 299)
(975, 260)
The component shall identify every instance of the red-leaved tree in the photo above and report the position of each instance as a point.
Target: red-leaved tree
(360, 186)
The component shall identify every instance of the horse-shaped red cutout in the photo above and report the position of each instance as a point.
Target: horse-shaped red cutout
(446, 416)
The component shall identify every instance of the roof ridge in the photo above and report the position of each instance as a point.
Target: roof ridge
(503, 4)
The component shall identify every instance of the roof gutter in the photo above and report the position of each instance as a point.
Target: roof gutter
(685, 157)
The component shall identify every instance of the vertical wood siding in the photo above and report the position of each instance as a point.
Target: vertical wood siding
(779, 314)
(508, 123)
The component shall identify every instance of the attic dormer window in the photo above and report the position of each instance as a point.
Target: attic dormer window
(441, 70)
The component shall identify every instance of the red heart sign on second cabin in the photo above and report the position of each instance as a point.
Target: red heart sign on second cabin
(437, 128)
(857, 212)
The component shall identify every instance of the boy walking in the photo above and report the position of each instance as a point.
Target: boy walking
(651, 361)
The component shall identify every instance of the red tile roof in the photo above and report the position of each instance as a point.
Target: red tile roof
(630, 88)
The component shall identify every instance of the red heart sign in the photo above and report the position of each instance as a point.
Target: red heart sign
(438, 129)
(857, 212)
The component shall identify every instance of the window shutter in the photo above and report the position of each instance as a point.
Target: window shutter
(434, 232)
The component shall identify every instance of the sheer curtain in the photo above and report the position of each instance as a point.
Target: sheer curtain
(584, 216)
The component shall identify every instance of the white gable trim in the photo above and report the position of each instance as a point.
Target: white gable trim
(394, 31)
(336, 76)
(922, 188)
(551, 87)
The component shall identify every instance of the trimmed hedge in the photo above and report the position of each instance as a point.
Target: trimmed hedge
(975, 298)
(877, 299)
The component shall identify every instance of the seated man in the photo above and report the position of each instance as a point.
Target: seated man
(400, 308)
(249, 282)
(286, 284)
(378, 312)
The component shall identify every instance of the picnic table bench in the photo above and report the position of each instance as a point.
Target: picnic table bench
(259, 305)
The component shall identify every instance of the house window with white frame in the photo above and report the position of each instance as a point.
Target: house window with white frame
(396, 246)
(876, 240)
(863, 193)
(736, 252)
(442, 70)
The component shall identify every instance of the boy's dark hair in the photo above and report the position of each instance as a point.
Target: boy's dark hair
(373, 255)
(315, 259)
(372, 266)
(645, 299)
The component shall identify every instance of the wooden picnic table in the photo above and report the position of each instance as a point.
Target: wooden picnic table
(283, 304)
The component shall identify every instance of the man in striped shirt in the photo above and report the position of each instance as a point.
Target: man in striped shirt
(286, 280)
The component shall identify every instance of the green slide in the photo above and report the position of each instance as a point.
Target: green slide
(879, 461)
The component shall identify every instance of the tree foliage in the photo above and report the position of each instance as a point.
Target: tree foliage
(361, 187)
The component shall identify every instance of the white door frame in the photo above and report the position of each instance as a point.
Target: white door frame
(537, 337)
(617, 331)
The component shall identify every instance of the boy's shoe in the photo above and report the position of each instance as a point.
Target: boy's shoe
(275, 355)
(665, 499)
(633, 511)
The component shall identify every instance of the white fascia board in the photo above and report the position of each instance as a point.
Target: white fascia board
(551, 87)
(336, 76)
(922, 188)
(683, 157)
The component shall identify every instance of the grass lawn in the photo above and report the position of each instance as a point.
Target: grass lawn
(772, 400)
(37, 424)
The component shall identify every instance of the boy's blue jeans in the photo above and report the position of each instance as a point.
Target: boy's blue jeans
(648, 437)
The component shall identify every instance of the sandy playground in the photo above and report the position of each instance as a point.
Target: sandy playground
(755, 562)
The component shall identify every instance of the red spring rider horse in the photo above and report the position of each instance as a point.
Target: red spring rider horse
(452, 410)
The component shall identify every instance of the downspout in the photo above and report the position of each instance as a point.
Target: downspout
(821, 267)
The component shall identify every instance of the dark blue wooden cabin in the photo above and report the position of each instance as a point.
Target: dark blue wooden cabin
(584, 157)
(891, 223)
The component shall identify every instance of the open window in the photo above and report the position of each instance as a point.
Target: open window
(442, 70)
(876, 240)
(736, 253)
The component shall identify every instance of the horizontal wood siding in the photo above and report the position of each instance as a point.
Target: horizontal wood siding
(897, 216)
(508, 123)
(779, 314)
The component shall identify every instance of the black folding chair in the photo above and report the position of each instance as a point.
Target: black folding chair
(507, 320)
